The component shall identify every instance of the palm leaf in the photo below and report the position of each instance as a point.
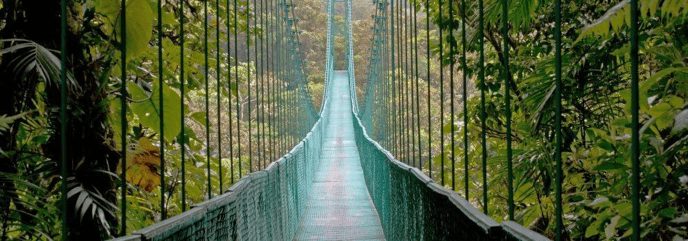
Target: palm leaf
(34, 58)
(613, 20)
(89, 199)
(28, 195)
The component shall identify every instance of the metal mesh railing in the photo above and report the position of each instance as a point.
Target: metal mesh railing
(264, 205)
(412, 207)
(268, 204)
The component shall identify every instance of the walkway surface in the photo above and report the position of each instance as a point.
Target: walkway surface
(339, 206)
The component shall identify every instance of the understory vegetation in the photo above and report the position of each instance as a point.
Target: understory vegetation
(596, 114)
(596, 110)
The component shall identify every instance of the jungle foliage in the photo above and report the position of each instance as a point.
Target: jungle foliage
(596, 114)
(29, 120)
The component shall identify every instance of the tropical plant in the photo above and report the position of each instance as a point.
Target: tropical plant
(596, 116)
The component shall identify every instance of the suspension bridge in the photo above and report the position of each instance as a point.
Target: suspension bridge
(337, 181)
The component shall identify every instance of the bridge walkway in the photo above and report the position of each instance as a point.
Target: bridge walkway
(339, 206)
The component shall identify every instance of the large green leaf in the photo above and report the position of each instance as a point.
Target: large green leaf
(139, 23)
(147, 108)
(200, 118)
(647, 84)
(610, 230)
(593, 229)
(108, 9)
(114, 118)
(447, 128)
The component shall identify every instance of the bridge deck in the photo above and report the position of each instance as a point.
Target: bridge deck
(339, 206)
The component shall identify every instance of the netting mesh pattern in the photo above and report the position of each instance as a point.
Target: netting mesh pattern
(264, 205)
(412, 207)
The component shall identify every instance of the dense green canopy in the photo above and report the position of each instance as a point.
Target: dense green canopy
(595, 109)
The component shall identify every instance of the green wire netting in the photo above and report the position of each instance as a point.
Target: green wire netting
(412, 207)
(265, 205)
(271, 204)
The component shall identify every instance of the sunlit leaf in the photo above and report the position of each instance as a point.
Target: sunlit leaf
(147, 108)
(142, 166)
(139, 25)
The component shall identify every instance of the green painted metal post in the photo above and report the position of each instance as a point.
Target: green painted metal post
(262, 78)
(483, 114)
(278, 94)
(282, 94)
(256, 10)
(635, 145)
(464, 74)
(259, 81)
(415, 39)
(409, 143)
(206, 73)
(451, 92)
(557, 120)
(163, 210)
(183, 94)
(236, 79)
(404, 85)
(400, 89)
(271, 79)
(290, 77)
(63, 119)
(507, 103)
(387, 91)
(441, 37)
(275, 79)
(218, 73)
(389, 74)
(229, 93)
(123, 113)
(427, 58)
(280, 72)
(397, 97)
(260, 96)
(394, 72)
(248, 82)
(273, 67)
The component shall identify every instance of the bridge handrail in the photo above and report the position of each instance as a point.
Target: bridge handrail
(387, 178)
(439, 214)
(241, 212)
